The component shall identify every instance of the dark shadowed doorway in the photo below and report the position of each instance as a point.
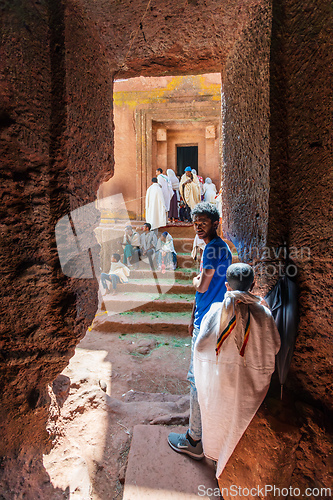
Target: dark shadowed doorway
(187, 156)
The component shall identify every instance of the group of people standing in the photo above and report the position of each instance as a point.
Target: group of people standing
(173, 197)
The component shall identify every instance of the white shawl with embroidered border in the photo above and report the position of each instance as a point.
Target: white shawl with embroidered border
(233, 383)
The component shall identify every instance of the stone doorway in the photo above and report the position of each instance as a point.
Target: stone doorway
(187, 156)
(153, 117)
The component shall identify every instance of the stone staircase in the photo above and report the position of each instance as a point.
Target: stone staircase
(154, 302)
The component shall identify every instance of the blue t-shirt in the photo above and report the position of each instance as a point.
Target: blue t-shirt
(216, 256)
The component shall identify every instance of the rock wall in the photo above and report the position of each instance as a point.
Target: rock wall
(56, 143)
(292, 192)
(300, 99)
(170, 37)
(276, 163)
(245, 129)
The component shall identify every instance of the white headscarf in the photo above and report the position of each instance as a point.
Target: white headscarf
(208, 180)
(173, 179)
(167, 245)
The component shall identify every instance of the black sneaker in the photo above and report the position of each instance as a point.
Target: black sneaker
(181, 444)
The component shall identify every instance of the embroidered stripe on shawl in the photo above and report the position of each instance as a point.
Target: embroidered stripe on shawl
(226, 332)
(246, 336)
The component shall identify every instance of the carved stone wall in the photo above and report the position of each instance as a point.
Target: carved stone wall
(56, 147)
(301, 180)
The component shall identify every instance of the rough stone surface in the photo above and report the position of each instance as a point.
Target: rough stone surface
(245, 126)
(91, 432)
(49, 167)
(157, 38)
(300, 99)
(284, 446)
(150, 454)
(277, 140)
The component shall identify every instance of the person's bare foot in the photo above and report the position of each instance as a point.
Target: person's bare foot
(114, 292)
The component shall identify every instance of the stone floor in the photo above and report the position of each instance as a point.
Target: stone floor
(156, 472)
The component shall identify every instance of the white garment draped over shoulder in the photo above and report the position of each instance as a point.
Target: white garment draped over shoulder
(120, 270)
(156, 212)
(190, 190)
(231, 387)
(167, 190)
(167, 245)
(209, 190)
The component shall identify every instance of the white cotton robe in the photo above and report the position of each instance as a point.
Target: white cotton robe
(190, 191)
(231, 387)
(209, 192)
(167, 190)
(156, 212)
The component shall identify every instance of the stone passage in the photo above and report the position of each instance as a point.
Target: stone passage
(160, 303)
(154, 305)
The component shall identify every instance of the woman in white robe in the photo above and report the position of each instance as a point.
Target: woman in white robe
(166, 186)
(173, 211)
(209, 190)
(166, 254)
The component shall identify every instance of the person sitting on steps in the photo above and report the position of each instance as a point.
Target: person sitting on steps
(148, 243)
(131, 244)
(166, 255)
(118, 273)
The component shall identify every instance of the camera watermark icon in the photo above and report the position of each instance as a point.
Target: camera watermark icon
(85, 245)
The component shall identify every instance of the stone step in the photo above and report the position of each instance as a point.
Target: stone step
(156, 472)
(178, 274)
(147, 302)
(185, 261)
(144, 322)
(150, 286)
(184, 245)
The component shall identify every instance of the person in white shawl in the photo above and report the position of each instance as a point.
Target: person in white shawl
(218, 202)
(166, 254)
(156, 212)
(166, 186)
(197, 248)
(209, 191)
(173, 211)
(234, 358)
(189, 188)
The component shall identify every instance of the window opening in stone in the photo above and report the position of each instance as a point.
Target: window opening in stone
(187, 156)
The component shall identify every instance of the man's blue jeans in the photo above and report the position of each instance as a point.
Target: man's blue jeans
(195, 428)
(110, 277)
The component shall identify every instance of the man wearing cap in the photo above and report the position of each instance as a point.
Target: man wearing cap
(189, 188)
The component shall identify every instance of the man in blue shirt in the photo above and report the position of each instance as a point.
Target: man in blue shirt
(210, 287)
